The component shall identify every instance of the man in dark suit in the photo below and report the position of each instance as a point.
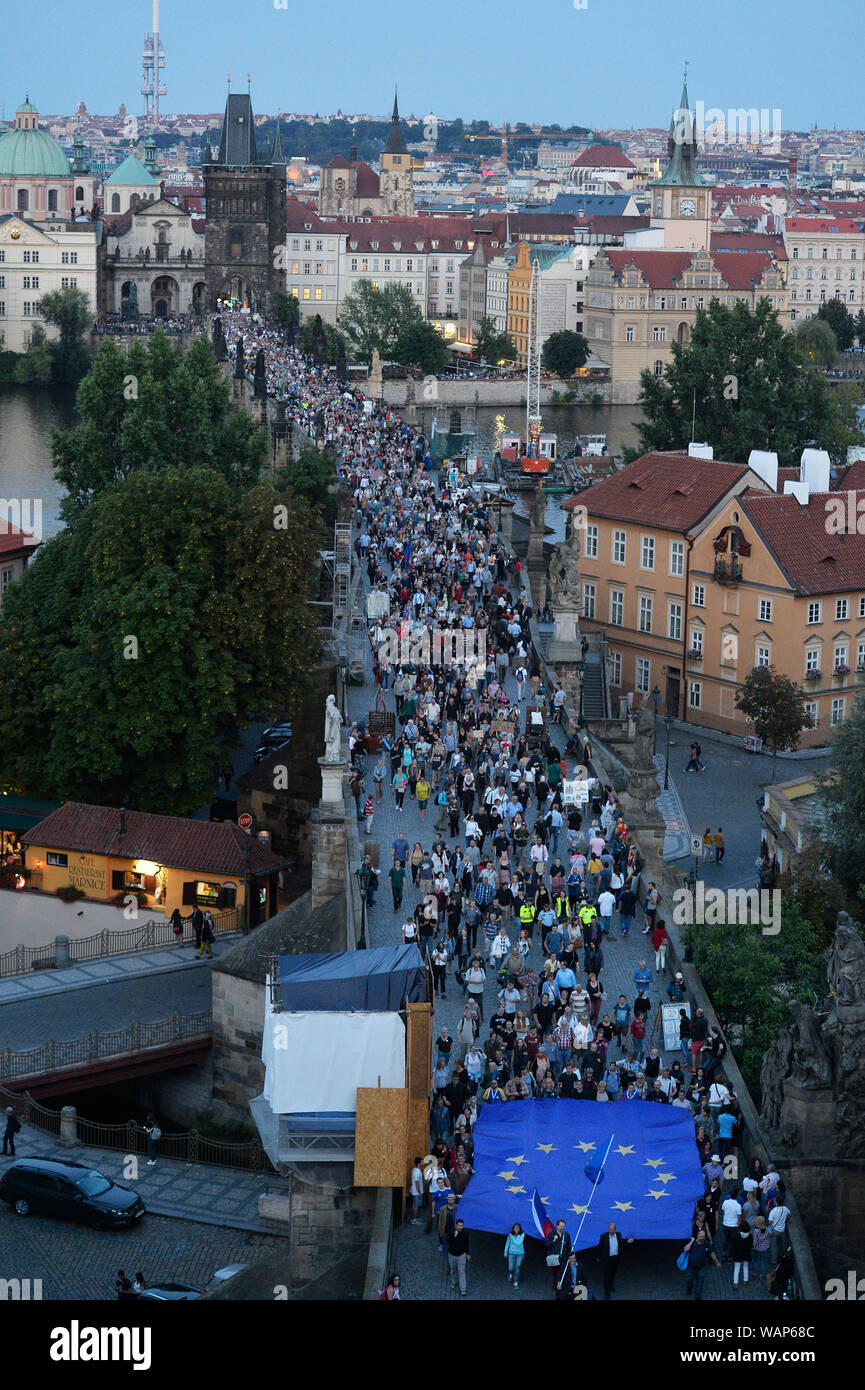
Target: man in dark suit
(609, 1247)
(558, 1248)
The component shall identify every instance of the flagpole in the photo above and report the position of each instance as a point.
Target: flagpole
(594, 1185)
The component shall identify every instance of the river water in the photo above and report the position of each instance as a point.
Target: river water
(617, 422)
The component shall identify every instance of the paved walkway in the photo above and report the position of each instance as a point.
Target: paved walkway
(191, 1191)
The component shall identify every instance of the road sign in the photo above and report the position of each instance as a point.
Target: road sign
(245, 820)
(696, 844)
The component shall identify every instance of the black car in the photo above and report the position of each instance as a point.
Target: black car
(277, 736)
(74, 1191)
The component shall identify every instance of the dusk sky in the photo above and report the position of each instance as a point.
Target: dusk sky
(615, 63)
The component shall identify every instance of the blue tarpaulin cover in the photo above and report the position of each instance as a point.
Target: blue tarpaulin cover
(650, 1179)
(379, 981)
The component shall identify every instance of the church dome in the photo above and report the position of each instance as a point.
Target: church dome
(30, 153)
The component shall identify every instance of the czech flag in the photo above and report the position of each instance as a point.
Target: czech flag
(542, 1221)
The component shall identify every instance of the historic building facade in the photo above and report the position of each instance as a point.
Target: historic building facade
(349, 188)
(156, 250)
(36, 258)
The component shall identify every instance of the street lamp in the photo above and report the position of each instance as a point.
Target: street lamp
(581, 676)
(656, 700)
(362, 876)
(343, 669)
(668, 724)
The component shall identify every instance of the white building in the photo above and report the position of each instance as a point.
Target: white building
(34, 260)
(497, 292)
(826, 260)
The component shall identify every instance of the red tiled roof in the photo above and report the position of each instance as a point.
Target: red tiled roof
(206, 846)
(852, 477)
(14, 541)
(367, 180)
(603, 157)
(814, 560)
(750, 241)
(742, 269)
(668, 490)
(661, 269)
(831, 223)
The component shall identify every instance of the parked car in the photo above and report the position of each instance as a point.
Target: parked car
(277, 736)
(74, 1191)
(172, 1293)
(221, 1276)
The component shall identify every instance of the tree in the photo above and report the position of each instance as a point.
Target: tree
(422, 346)
(859, 327)
(744, 378)
(153, 408)
(843, 428)
(309, 476)
(840, 802)
(286, 309)
(564, 353)
(143, 641)
(817, 341)
(70, 313)
(35, 367)
(776, 706)
(492, 346)
(375, 320)
(836, 314)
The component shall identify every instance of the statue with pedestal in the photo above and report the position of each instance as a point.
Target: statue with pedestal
(333, 763)
(373, 386)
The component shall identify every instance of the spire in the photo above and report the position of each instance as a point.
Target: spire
(682, 150)
(395, 144)
(276, 154)
(394, 118)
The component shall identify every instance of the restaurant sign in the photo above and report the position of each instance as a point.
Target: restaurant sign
(88, 873)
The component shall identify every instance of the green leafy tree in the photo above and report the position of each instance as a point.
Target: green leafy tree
(859, 327)
(775, 703)
(836, 314)
(840, 829)
(843, 428)
(492, 346)
(816, 339)
(743, 377)
(375, 320)
(70, 313)
(422, 346)
(564, 353)
(152, 408)
(309, 476)
(34, 368)
(286, 309)
(178, 612)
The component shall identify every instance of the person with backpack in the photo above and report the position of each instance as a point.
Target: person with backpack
(13, 1127)
(207, 936)
(152, 1133)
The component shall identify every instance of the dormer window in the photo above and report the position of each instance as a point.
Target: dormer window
(397, 246)
(374, 245)
(307, 226)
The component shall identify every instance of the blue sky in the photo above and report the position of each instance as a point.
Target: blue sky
(615, 63)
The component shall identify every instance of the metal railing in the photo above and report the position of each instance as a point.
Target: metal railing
(148, 936)
(128, 1137)
(95, 1046)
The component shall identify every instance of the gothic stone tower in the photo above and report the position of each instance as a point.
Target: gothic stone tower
(244, 242)
(681, 198)
(395, 177)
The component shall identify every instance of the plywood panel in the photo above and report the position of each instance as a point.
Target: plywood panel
(419, 1051)
(381, 1135)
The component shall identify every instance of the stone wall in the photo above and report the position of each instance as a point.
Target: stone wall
(325, 1218)
(831, 1197)
(238, 1025)
(503, 393)
(179, 1096)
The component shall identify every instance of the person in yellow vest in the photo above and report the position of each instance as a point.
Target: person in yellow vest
(563, 907)
(587, 914)
(528, 913)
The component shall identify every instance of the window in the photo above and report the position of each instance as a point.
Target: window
(318, 292)
(697, 640)
(862, 606)
(765, 610)
(860, 654)
(591, 542)
(52, 200)
(838, 710)
(617, 607)
(812, 659)
(629, 335)
(2, 308)
(659, 335)
(699, 596)
(23, 200)
(68, 282)
(28, 308)
(815, 614)
(647, 553)
(588, 600)
(618, 547)
(764, 656)
(307, 267)
(614, 668)
(306, 292)
(632, 301)
(658, 368)
(60, 861)
(645, 612)
(644, 674)
(841, 606)
(840, 656)
(677, 557)
(307, 245)
(674, 622)
(695, 694)
(810, 710)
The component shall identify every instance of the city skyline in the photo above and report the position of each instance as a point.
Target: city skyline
(202, 46)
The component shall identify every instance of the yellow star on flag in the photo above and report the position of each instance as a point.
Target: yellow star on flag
(513, 1188)
(585, 1146)
(652, 1162)
(507, 1173)
(656, 1195)
(666, 1177)
(547, 1148)
(575, 1207)
(624, 1149)
(544, 1201)
(622, 1206)
(520, 1158)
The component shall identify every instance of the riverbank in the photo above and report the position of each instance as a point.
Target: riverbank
(432, 391)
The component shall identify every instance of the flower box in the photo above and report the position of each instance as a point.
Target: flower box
(815, 674)
(842, 669)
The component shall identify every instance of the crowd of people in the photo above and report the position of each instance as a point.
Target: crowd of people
(514, 886)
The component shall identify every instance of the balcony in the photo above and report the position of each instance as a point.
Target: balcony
(695, 657)
(727, 570)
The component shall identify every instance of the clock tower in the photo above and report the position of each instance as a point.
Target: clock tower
(681, 199)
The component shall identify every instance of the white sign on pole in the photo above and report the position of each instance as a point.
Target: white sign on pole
(670, 1024)
(575, 792)
(696, 844)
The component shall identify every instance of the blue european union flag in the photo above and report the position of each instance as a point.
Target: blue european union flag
(644, 1154)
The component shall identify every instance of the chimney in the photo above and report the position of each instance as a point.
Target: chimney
(700, 451)
(122, 831)
(765, 465)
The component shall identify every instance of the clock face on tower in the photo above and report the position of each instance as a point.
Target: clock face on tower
(339, 183)
(687, 207)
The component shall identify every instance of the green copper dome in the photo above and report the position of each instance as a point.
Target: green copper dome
(32, 154)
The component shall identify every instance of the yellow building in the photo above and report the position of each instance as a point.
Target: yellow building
(519, 294)
(173, 863)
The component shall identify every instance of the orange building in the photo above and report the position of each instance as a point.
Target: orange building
(519, 294)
